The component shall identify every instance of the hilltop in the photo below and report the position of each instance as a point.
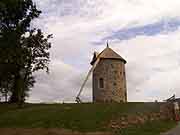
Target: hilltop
(81, 117)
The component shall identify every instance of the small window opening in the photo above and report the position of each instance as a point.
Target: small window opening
(120, 73)
(115, 72)
(101, 83)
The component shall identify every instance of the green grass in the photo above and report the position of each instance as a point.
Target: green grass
(81, 117)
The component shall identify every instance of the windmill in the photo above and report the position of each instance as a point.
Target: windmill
(109, 78)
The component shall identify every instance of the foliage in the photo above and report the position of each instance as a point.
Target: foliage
(23, 49)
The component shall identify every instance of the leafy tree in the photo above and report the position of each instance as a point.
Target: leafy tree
(23, 49)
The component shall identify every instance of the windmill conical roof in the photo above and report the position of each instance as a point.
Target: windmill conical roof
(108, 53)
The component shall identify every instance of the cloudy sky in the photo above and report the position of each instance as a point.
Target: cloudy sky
(145, 32)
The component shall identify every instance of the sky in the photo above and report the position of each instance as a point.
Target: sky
(144, 32)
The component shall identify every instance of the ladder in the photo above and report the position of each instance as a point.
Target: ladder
(78, 100)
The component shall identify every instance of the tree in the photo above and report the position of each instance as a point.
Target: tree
(23, 49)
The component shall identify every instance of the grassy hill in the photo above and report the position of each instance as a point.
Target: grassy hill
(78, 117)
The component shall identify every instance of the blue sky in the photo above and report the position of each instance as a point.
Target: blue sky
(145, 33)
(163, 26)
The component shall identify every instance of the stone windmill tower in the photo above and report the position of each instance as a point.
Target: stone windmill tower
(109, 77)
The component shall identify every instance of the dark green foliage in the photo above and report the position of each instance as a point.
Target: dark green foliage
(23, 49)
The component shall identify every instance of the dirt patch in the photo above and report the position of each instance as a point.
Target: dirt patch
(45, 131)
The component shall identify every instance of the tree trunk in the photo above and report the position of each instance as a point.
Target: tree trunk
(6, 96)
(15, 92)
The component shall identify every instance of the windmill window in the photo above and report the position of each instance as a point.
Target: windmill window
(115, 72)
(101, 83)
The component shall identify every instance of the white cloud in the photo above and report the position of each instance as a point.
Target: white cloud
(62, 84)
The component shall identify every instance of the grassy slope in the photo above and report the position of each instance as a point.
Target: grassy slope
(81, 117)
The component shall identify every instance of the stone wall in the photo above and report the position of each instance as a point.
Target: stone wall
(129, 120)
(112, 71)
(165, 113)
